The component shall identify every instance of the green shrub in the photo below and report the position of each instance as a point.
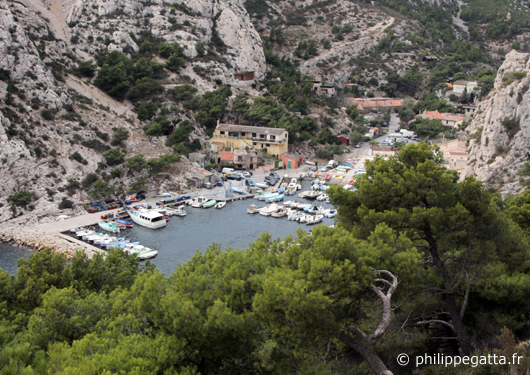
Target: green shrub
(77, 157)
(114, 156)
(65, 203)
(21, 198)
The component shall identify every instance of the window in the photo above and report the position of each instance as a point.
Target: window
(254, 143)
(242, 134)
(262, 136)
(285, 135)
(240, 158)
(267, 145)
(222, 132)
(273, 137)
(254, 135)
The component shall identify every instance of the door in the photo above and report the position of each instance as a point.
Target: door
(289, 164)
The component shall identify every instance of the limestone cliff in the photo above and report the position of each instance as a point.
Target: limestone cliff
(499, 135)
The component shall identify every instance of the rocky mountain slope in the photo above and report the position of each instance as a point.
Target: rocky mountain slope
(48, 116)
(499, 135)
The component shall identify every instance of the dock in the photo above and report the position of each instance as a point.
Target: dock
(82, 244)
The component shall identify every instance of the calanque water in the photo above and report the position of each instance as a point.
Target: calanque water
(230, 226)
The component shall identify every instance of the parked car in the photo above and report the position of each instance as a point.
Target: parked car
(237, 177)
(358, 145)
(275, 175)
(396, 148)
(417, 139)
(246, 174)
(324, 169)
(397, 129)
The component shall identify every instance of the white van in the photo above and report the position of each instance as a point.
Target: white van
(228, 171)
(333, 163)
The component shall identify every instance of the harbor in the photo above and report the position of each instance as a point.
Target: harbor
(229, 225)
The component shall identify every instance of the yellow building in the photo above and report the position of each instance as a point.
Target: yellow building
(274, 140)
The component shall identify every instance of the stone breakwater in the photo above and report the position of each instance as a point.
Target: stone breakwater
(38, 240)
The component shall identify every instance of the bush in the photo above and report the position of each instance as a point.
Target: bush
(65, 203)
(77, 157)
(21, 198)
(89, 180)
(119, 135)
(114, 156)
(48, 114)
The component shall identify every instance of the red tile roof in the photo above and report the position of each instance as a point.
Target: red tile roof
(227, 155)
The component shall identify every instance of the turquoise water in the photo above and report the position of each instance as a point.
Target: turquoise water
(230, 226)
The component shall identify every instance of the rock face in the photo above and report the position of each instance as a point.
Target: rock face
(499, 135)
(224, 24)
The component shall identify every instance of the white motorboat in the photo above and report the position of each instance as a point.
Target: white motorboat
(262, 185)
(303, 218)
(268, 210)
(280, 213)
(179, 211)
(148, 218)
(314, 219)
(85, 233)
(220, 205)
(275, 198)
(322, 197)
(198, 202)
(330, 213)
(253, 209)
(78, 229)
(141, 251)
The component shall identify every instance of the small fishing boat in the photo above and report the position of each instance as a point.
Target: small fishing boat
(141, 251)
(264, 196)
(109, 227)
(275, 198)
(314, 219)
(128, 224)
(268, 210)
(78, 229)
(197, 202)
(122, 245)
(81, 233)
(262, 185)
(87, 234)
(253, 209)
(239, 190)
(322, 197)
(328, 177)
(280, 213)
(179, 211)
(209, 204)
(93, 237)
(330, 213)
(220, 205)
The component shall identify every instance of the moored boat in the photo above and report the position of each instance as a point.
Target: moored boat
(275, 198)
(179, 211)
(128, 224)
(253, 209)
(78, 229)
(197, 202)
(210, 203)
(314, 219)
(280, 213)
(220, 205)
(268, 210)
(109, 227)
(148, 218)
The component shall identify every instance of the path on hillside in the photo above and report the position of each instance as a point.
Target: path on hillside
(55, 11)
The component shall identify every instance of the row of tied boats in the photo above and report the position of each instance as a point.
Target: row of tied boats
(107, 241)
(203, 202)
(300, 212)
